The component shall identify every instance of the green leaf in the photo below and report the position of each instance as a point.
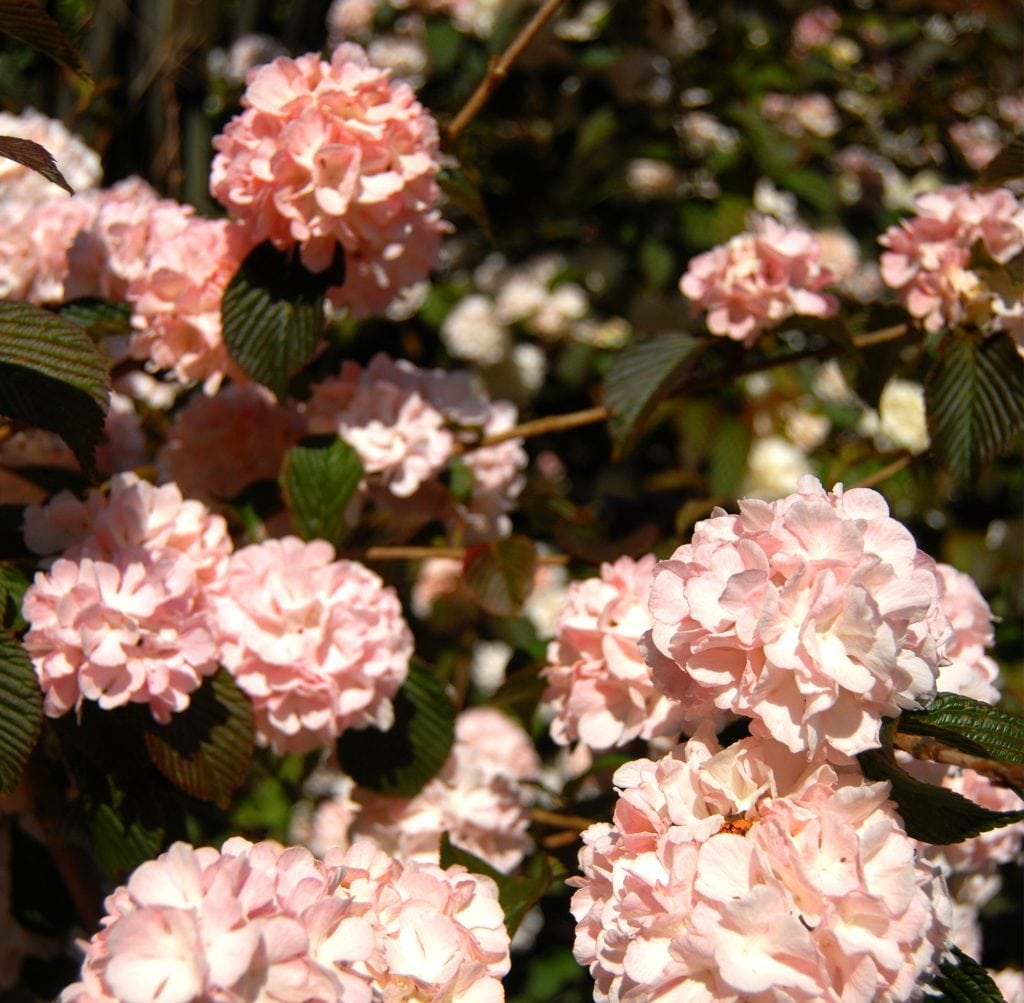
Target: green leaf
(13, 583)
(969, 725)
(399, 762)
(99, 317)
(521, 692)
(464, 194)
(518, 892)
(974, 398)
(205, 749)
(729, 456)
(35, 157)
(125, 828)
(318, 481)
(21, 711)
(499, 575)
(931, 814)
(272, 313)
(27, 21)
(962, 980)
(642, 375)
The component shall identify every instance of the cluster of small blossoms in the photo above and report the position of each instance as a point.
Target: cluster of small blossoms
(599, 688)
(481, 798)
(802, 114)
(929, 260)
(147, 598)
(750, 872)
(758, 279)
(256, 922)
(330, 154)
(406, 424)
(814, 616)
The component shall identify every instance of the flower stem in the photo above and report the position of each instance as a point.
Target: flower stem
(932, 750)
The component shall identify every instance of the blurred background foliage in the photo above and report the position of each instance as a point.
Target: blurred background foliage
(629, 137)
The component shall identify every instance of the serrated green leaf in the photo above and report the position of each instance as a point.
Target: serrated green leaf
(642, 375)
(974, 399)
(100, 318)
(125, 829)
(27, 21)
(318, 481)
(272, 313)
(962, 980)
(518, 893)
(931, 814)
(969, 725)
(21, 711)
(205, 749)
(400, 761)
(499, 575)
(35, 157)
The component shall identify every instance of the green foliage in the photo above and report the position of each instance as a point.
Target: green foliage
(399, 761)
(975, 401)
(13, 583)
(962, 980)
(272, 314)
(318, 479)
(27, 21)
(205, 749)
(499, 574)
(21, 712)
(52, 376)
(100, 318)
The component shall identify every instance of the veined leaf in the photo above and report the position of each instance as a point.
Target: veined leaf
(21, 711)
(642, 375)
(975, 400)
(399, 762)
(35, 157)
(500, 574)
(962, 980)
(205, 749)
(272, 313)
(969, 725)
(318, 481)
(27, 21)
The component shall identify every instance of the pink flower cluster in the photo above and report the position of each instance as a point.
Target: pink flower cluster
(405, 423)
(479, 798)
(928, 259)
(967, 669)
(750, 874)
(758, 279)
(148, 598)
(319, 645)
(600, 691)
(258, 922)
(814, 615)
(124, 615)
(328, 154)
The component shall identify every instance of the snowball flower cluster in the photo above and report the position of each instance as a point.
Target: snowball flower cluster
(928, 259)
(479, 799)
(405, 423)
(328, 154)
(600, 690)
(752, 875)
(758, 279)
(815, 616)
(967, 669)
(124, 615)
(319, 645)
(255, 922)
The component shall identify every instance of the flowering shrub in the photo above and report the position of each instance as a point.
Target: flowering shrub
(330, 154)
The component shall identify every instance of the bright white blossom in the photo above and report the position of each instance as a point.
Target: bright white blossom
(750, 874)
(815, 616)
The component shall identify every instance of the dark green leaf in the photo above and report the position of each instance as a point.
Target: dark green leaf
(521, 692)
(13, 583)
(125, 828)
(460, 479)
(931, 814)
(969, 725)
(975, 400)
(499, 575)
(962, 980)
(99, 317)
(27, 21)
(642, 375)
(318, 482)
(34, 157)
(205, 749)
(729, 456)
(399, 761)
(21, 711)
(272, 313)
(518, 892)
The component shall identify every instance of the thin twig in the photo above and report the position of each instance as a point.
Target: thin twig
(541, 426)
(408, 553)
(559, 821)
(498, 70)
(885, 473)
(932, 750)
